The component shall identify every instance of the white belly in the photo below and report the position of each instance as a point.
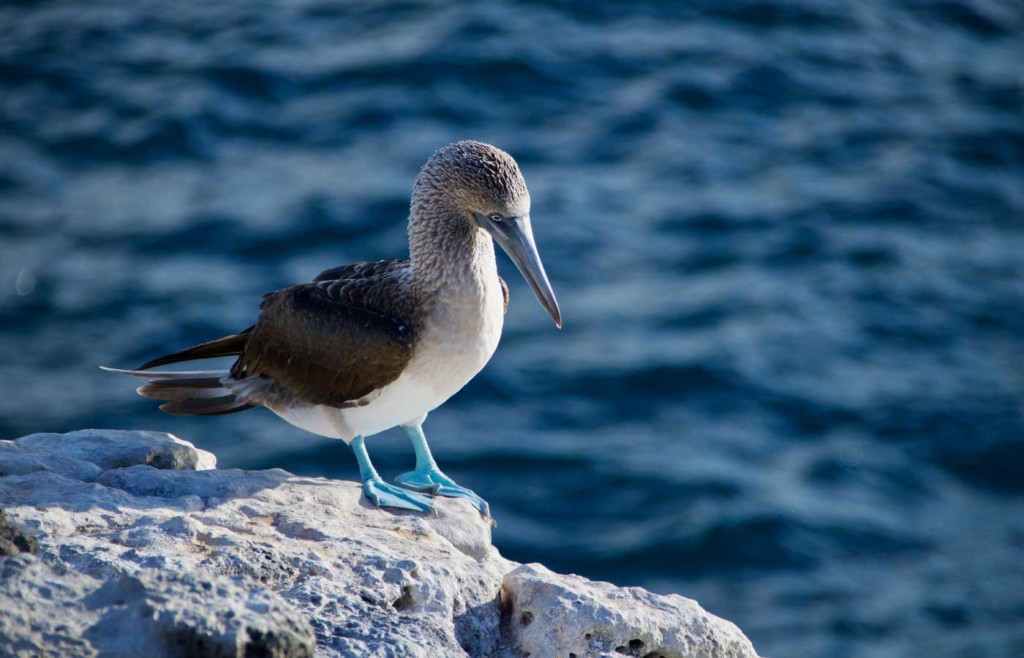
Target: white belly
(401, 402)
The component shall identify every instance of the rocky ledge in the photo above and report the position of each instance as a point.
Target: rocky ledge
(121, 543)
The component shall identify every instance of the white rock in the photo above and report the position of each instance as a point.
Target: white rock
(119, 448)
(572, 616)
(156, 615)
(368, 582)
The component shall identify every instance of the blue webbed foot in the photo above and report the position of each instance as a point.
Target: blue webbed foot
(437, 483)
(383, 494)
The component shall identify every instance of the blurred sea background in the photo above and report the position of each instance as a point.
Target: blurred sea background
(786, 236)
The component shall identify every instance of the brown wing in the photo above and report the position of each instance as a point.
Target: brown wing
(331, 342)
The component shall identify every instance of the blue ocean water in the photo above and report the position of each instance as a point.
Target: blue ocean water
(786, 236)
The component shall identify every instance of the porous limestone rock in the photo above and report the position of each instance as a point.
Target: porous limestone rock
(571, 616)
(158, 615)
(14, 540)
(138, 533)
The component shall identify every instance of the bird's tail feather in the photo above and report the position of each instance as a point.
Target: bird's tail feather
(227, 346)
(191, 393)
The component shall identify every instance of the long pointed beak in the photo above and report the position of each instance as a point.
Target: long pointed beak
(514, 235)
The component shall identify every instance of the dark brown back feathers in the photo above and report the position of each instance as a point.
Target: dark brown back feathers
(336, 340)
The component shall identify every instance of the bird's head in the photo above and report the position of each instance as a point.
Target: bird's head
(481, 185)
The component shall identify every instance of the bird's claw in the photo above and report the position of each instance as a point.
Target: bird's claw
(437, 483)
(383, 494)
(420, 481)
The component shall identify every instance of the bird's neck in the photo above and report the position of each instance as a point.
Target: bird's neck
(452, 260)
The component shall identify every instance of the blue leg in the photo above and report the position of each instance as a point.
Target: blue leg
(379, 492)
(428, 477)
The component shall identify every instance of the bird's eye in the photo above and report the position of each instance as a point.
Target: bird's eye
(495, 217)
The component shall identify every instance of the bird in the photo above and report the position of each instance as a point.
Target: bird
(374, 345)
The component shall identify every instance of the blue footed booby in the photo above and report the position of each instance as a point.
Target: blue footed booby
(373, 345)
